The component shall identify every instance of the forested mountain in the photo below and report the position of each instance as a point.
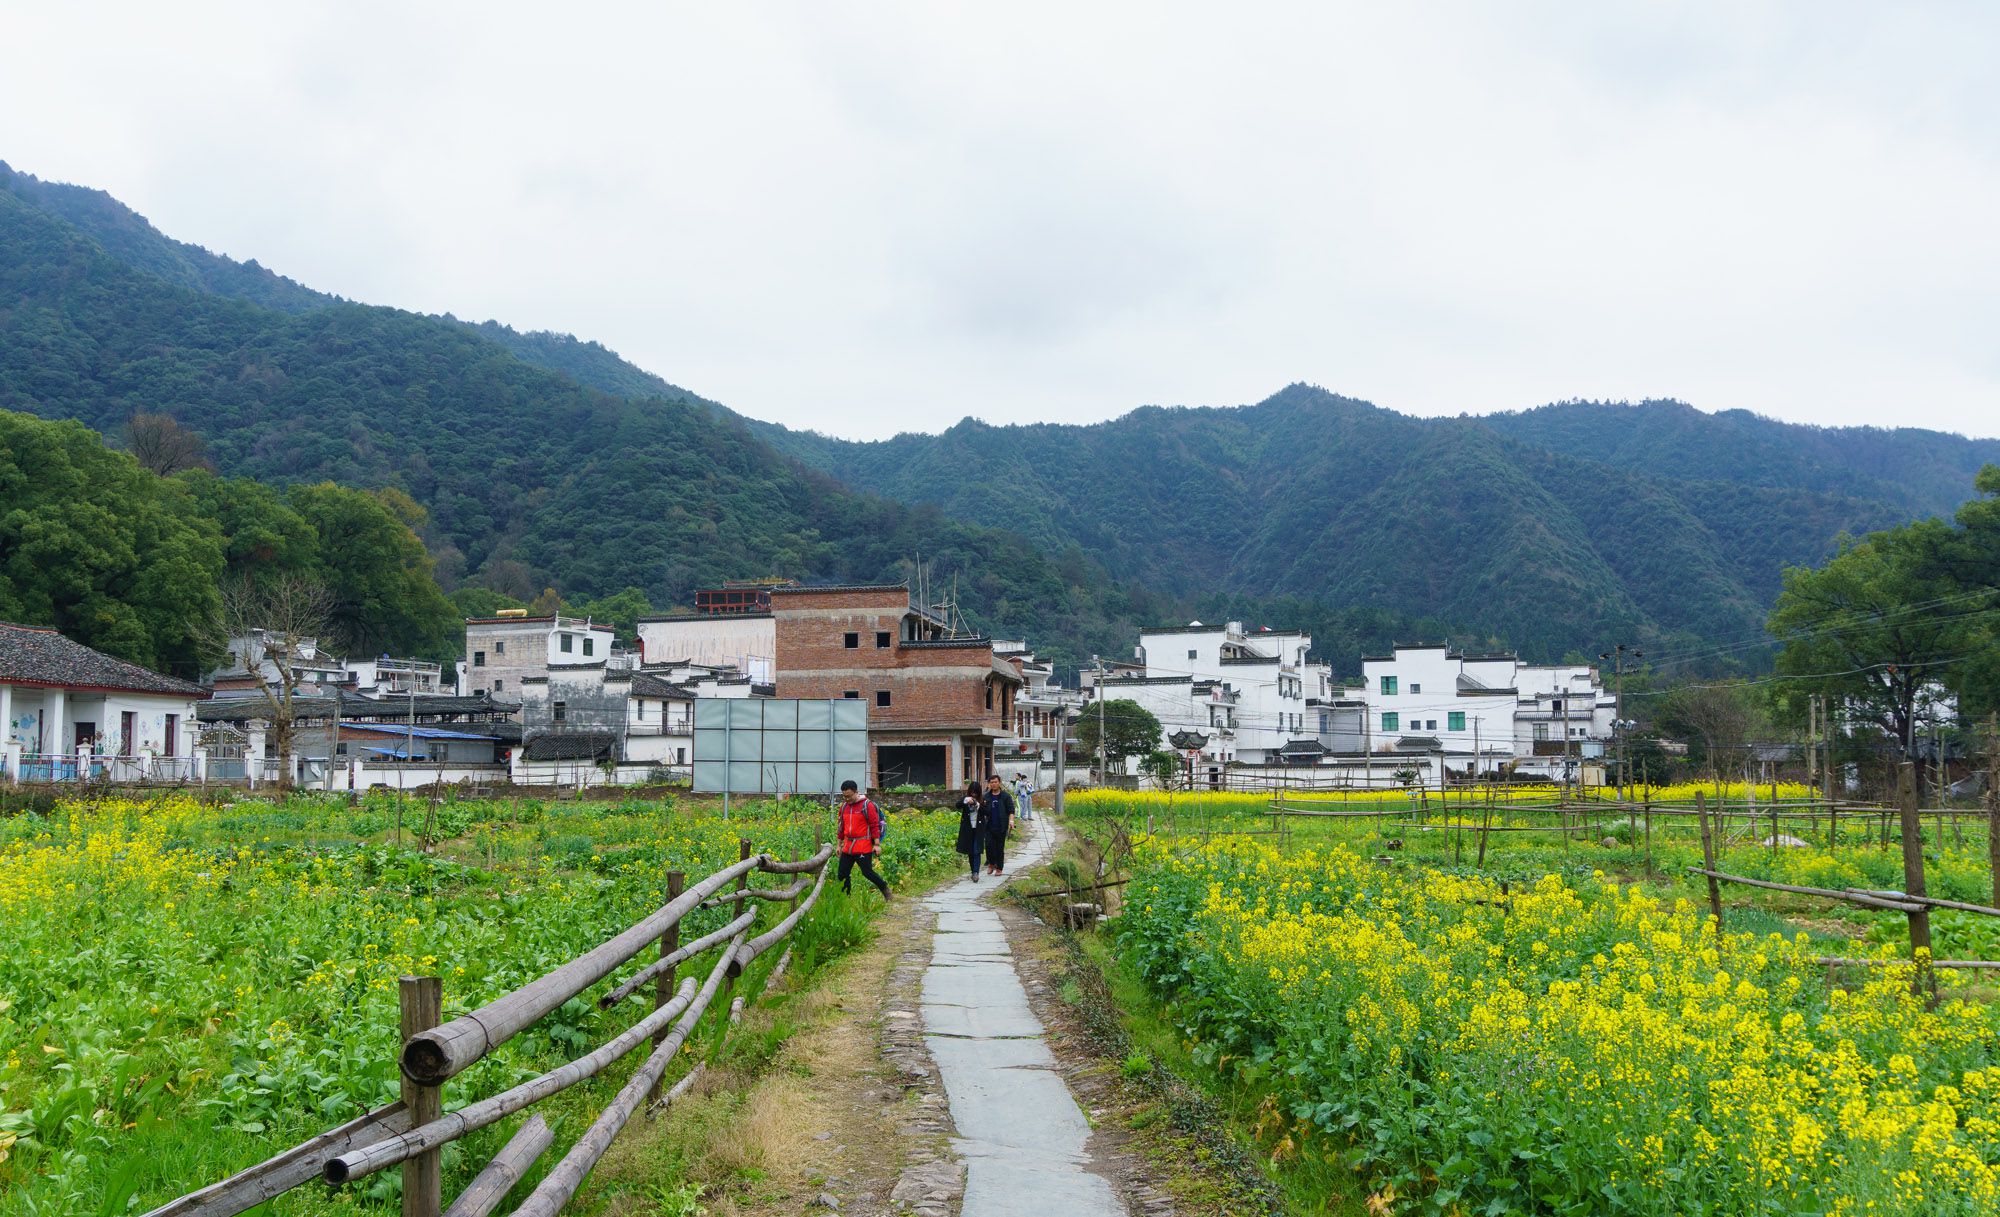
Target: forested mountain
(1469, 520)
(543, 460)
(529, 476)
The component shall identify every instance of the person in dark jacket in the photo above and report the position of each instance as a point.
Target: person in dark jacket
(997, 818)
(971, 840)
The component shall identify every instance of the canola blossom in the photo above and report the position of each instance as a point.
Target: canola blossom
(1578, 1046)
(188, 989)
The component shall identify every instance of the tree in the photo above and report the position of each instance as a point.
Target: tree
(384, 597)
(109, 554)
(1722, 717)
(1129, 730)
(275, 624)
(1882, 627)
(620, 610)
(261, 534)
(162, 446)
(482, 602)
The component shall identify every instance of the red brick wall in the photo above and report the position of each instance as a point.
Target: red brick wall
(927, 686)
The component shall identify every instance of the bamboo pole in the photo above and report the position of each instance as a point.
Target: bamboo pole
(347, 1167)
(421, 999)
(1850, 897)
(1708, 861)
(282, 1172)
(663, 982)
(732, 967)
(438, 1054)
(1993, 801)
(772, 894)
(491, 1185)
(1842, 961)
(679, 955)
(747, 954)
(566, 1176)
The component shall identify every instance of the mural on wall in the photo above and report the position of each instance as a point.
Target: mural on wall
(27, 728)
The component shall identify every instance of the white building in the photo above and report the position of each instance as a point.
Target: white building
(67, 711)
(1039, 710)
(313, 668)
(1486, 711)
(503, 651)
(387, 677)
(744, 641)
(1209, 708)
(1276, 687)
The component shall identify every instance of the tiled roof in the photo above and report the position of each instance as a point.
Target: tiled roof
(40, 656)
(570, 746)
(646, 684)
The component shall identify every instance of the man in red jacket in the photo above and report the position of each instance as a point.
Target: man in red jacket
(860, 834)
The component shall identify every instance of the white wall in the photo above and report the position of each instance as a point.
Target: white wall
(747, 643)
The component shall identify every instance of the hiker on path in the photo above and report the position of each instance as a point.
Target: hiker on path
(1024, 797)
(997, 817)
(860, 836)
(971, 840)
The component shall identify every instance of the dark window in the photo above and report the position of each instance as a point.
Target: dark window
(562, 710)
(882, 697)
(590, 646)
(881, 640)
(479, 659)
(498, 684)
(1191, 654)
(1416, 688)
(567, 642)
(680, 756)
(500, 647)
(852, 641)
(989, 695)
(852, 695)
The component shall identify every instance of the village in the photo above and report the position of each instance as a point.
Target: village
(561, 701)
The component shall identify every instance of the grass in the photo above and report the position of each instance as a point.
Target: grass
(190, 988)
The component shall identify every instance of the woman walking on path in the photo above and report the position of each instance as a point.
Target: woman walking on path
(997, 817)
(970, 837)
(860, 833)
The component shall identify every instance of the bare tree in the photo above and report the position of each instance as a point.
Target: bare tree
(1723, 716)
(273, 626)
(161, 444)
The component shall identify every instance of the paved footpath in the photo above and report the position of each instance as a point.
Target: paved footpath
(1020, 1132)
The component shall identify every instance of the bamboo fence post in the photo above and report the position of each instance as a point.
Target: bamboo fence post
(663, 985)
(421, 999)
(1647, 803)
(729, 976)
(1485, 825)
(485, 1192)
(1708, 862)
(1913, 880)
(1774, 824)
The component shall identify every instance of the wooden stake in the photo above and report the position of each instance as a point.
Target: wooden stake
(1913, 878)
(729, 962)
(1708, 861)
(422, 1005)
(1993, 802)
(663, 985)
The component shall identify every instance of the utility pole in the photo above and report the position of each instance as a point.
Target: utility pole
(1103, 753)
(1617, 657)
(1062, 755)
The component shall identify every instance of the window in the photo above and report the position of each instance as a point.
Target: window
(680, 756)
(561, 710)
(1388, 686)
(851, 641)
(641, 703)
(479, 659)
(852, 695)
(881, 640)
(500, 646)
(1455, 721)
(590, 646)
(882, 697)
(1430, 724)
(1392, 721)
(1541, 731)
(497, 684)
(1415, 687)
(567, 643)
(1191, 655)
(989, 695)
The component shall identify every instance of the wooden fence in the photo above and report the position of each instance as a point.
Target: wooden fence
(412, 1131)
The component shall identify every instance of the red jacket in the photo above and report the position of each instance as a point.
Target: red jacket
(860, 827)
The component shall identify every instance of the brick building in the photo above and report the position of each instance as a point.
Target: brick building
(937, 706)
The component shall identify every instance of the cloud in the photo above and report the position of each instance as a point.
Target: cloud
(875, 218)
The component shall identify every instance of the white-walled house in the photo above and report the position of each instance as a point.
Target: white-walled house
(67, 711)
(504, 650)
(1484, 711)
(1276, 686)
(744, 641)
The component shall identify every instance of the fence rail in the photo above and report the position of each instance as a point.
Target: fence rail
(412, 1131)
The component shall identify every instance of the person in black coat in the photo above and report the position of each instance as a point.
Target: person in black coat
(971, 840)
(996, 817)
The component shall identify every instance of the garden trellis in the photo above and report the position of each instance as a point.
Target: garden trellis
(412, 1131)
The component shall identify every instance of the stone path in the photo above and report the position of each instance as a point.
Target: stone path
(1020, 1131)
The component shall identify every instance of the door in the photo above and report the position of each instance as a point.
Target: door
(128, 724)
(86, 733)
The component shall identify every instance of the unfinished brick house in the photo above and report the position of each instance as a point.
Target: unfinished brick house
(937, 706)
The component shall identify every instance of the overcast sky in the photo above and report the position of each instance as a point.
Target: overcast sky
(865, 218)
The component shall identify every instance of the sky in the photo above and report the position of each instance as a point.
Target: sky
(876, 217)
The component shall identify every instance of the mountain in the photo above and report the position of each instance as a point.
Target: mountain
(530, 475)
(542, 458)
